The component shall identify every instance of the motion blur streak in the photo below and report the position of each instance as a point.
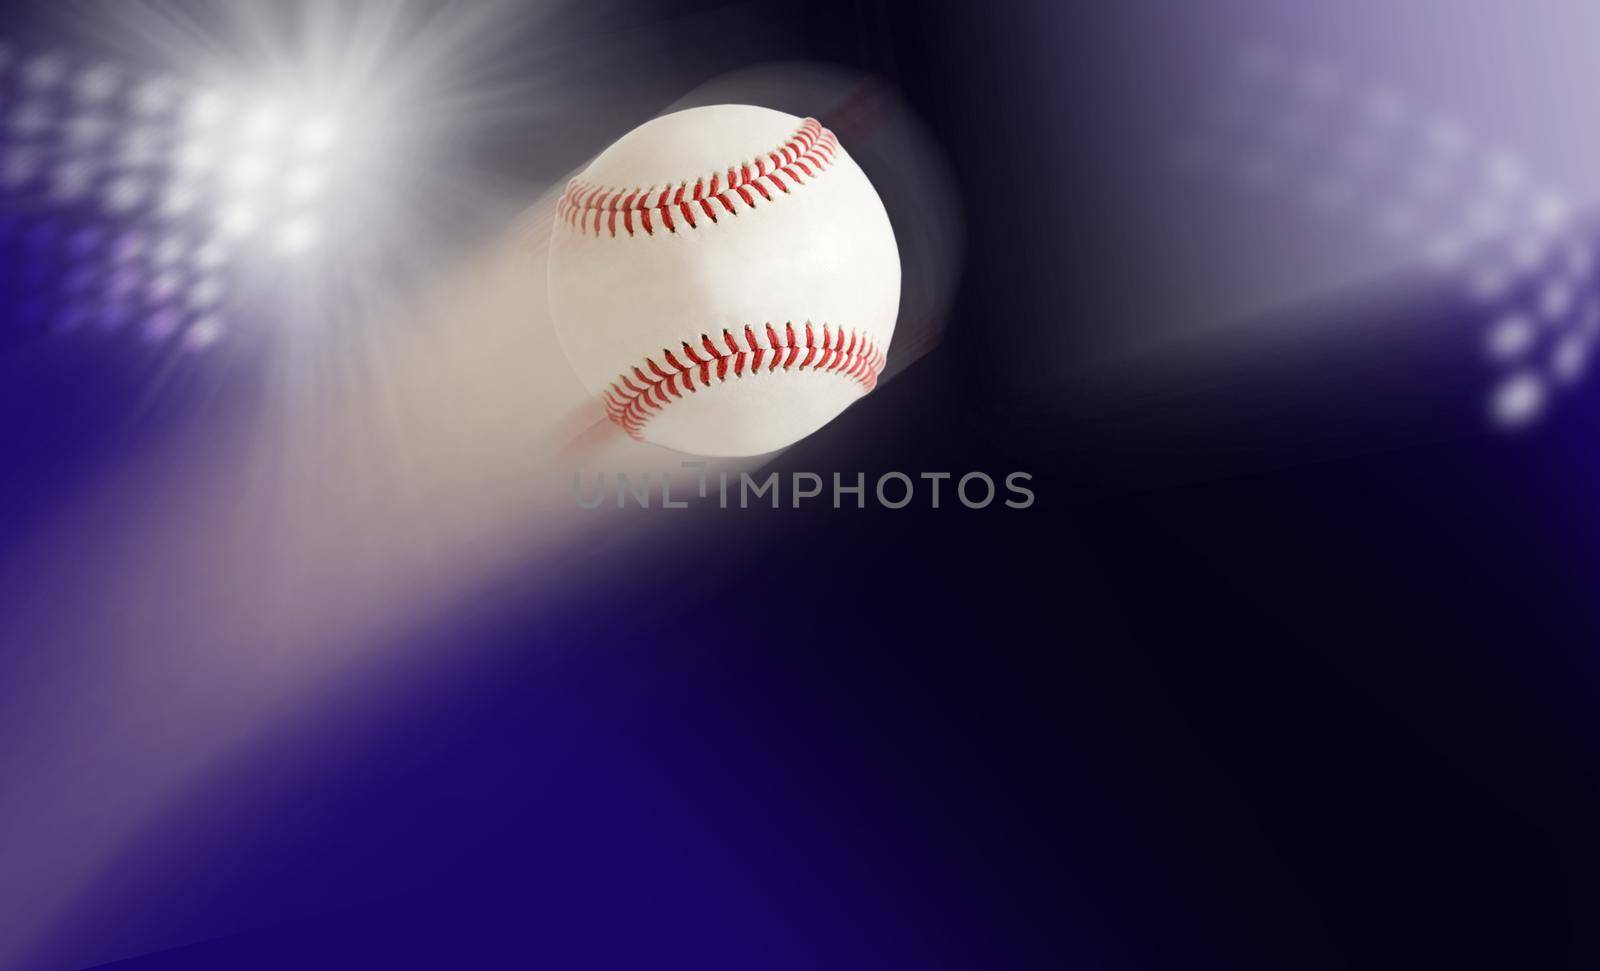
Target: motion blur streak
(397, 452)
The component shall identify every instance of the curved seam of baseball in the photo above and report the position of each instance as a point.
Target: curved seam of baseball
(806, 153)
(637, 396)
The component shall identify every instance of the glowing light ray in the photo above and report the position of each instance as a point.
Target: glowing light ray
(389, 466)
(1505, 261)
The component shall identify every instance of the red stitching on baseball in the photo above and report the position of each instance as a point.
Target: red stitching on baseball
(589, 208)
(640, 393)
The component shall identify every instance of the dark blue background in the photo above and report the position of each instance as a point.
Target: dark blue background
(1212, 702)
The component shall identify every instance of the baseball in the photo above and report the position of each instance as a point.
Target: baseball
(724, 279)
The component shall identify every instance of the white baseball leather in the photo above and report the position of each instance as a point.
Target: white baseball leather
(725, 279)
